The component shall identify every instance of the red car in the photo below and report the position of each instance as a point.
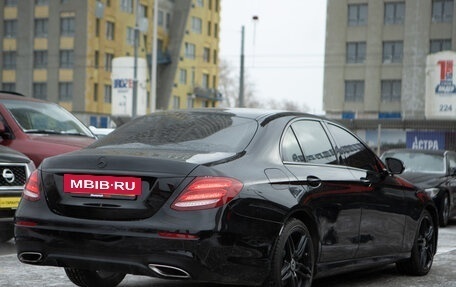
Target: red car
(40, 129)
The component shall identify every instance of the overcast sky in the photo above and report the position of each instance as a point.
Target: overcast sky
(284, 48)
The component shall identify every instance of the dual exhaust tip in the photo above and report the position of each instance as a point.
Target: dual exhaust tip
(30, 257)
(166, 271)
(169, 271)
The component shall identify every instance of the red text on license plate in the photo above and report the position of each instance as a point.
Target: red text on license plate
(107, 185)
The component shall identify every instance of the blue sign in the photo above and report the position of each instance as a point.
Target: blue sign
(425, 140)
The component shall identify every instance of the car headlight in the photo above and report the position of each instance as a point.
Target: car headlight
(432, 192)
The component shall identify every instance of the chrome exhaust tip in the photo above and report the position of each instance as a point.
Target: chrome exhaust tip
(169, 271)
(30, 257)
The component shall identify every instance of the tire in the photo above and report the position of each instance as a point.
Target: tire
(444, 214)
(89, 278)
(6, 233)
(423, 250)
(293, 258)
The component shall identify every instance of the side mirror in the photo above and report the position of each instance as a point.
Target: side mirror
(395, 166)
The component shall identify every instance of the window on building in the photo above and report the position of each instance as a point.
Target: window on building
(356, 52)
(200, 3)
(394, 13)
(10, 28)
(67, 26)
(96, 59)
(215, 60)
(168, 21)
(66, 59)
(442, 10)
(190, 51)
(10, 3)
(214, 81)
(205, 81)
(65, 91)
(97, 27)
(131, 36)
(209, 4)
(41, 2)
(190, 101)
(197, 25)
(176, 102)
(217, 4)
(126, 6)
(215, 30)
(41, 28)
(183, 76)
(108, 62)
(9, 60)
(354, 91)
(110, 30)
(391, 90)
(95, 92)
(206, 54)
(107, 94)
(9, 87)
(40, 59)
(161, 18)
(438, 45)
(40, 91)
(392, 52)
(357, 14)
(209, 28)
(142, 11)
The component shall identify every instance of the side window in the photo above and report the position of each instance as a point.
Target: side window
(452, 160)
(354, 153)
(290, 148)
(314, 142)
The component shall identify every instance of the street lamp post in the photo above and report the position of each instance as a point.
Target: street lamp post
(135, 63)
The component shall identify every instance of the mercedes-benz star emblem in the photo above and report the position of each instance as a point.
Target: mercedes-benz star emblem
(8, 175)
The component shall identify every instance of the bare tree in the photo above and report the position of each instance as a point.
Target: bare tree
(229, 87)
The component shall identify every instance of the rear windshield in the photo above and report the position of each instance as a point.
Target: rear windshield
(204, 132)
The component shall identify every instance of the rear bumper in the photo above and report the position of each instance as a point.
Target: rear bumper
(215, 258)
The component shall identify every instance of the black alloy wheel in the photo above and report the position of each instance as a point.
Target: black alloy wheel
(423, 250)
(445, 211)
(90, 278)
(293, 259)
(6, 234)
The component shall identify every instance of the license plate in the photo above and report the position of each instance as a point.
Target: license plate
(101, 186)
(9, 202)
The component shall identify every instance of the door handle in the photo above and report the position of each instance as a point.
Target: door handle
(313, 181)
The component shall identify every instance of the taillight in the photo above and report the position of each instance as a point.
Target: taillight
(32, 187)
(207, 192)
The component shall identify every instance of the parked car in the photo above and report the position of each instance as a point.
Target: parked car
(435, 172)
(14, 171)
(39, 129)
(236, 196)
(100, 132)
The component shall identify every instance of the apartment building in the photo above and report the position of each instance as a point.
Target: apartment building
(375, 57)
(63, 51)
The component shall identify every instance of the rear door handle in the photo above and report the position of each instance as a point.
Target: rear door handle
(313, 181)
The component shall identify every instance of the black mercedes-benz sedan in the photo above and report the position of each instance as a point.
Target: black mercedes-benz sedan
(235, 196)
(435, 172)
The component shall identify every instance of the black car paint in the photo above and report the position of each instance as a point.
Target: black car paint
(233, 243)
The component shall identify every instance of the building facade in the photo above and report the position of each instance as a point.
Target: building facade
(62, 51)
(375, 58)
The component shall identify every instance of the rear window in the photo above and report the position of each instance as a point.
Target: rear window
(204, 132)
